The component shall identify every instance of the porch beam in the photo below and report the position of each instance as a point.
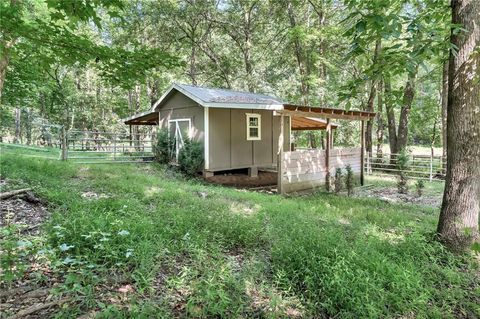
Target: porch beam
(362, 155)
(327, 155)
(322, 112)
(280, 154)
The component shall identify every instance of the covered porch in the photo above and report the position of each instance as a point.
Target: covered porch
(299, 170)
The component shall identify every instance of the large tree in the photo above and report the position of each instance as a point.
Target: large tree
(458, 224)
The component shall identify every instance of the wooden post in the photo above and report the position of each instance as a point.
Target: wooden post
(114, 145)
(280, 155)
(64, 144)
(328, 145)
(362, 155)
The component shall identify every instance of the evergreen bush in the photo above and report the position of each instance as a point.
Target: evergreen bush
(349, 180)
(163, 148)
(190, 157)
(338, 180)
(420, 185)
(402, 166)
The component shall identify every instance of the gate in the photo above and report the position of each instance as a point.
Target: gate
(100, 147)
(52, 142)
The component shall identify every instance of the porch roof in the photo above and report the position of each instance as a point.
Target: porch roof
(309, 123)
(298, 123)
(303, 117)
(145, 118)
(323, 112)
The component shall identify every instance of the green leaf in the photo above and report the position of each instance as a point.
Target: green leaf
(360, 26)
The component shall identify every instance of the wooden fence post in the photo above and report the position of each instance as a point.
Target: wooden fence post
(362, 157)
(64, 144)
(280, 189)
(327, 155)
(114, 145)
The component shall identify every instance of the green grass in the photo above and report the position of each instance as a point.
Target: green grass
(238, 254)
(434, 188)
(53, 153)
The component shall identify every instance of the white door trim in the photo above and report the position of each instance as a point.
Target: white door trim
(178, 132)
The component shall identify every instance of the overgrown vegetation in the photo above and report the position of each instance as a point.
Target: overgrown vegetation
(190, 157)
(349, 180)
(419, 185)
(338, 180)
(235, 254)
(163, 147)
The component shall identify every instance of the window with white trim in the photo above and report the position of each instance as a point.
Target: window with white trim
(254, 127)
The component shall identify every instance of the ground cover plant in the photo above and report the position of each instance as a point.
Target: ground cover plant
(140, 241)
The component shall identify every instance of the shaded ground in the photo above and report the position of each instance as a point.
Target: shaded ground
(29, 295)
(391, 194)
(179, 248)
(27, 214)
(242, 180)
(385, 188)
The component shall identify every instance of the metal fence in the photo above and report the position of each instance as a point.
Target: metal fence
(84, 147)
(96, 147)
(419, 166)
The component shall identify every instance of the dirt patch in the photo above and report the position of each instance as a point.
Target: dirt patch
(391, 195)
(243, 180)
(27, 298)
(93, 195)
(24, 212)
(29, 293)
(273, 302)
(245, 209)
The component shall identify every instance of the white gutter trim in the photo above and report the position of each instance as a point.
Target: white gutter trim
(206, 137)
(273, 107)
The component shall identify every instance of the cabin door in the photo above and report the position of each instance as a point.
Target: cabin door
(179, 131)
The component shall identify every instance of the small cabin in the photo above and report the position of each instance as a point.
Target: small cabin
(245, 130)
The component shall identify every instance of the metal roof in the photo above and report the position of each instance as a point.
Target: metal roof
(304, 117)
(223, 98)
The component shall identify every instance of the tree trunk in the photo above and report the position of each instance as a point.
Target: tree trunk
(371, 100)
(136, 134)
(322, 70)
(299, 56)
(247, 30)
(17, 138)
(369, 129)
(408, 95)
(444, 113)
(392, 126)
(4, 59)
(248, 62)
(152, 91)
(5, 47)
(132, 112)
(28, 125)
(458, 223)
(380, 119)
(193, 60)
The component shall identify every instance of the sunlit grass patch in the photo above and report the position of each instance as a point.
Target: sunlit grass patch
(188, 249)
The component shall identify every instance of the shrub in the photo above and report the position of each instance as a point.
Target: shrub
(402, 166)
(190, 157)
(420, 185)
(163, 147)
(350, 180)
(338, 180)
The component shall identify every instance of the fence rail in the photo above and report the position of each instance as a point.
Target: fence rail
(419, 166)
(85, 147)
